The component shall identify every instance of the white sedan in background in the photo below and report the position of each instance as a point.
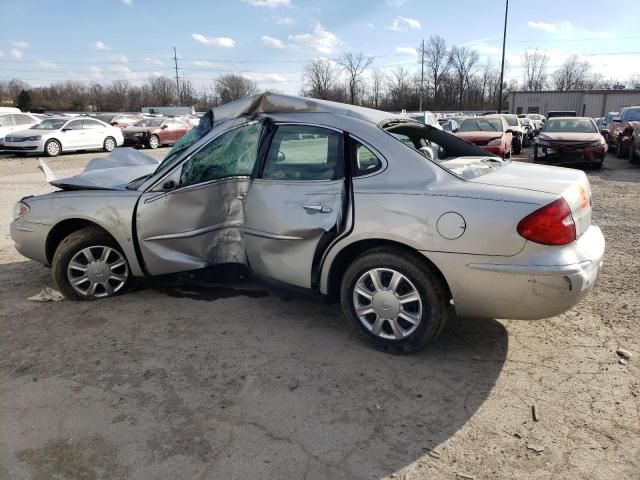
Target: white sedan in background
(63, 134)
(12, 121)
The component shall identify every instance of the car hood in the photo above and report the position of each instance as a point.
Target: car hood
(107, 173)
(479, 135)
(569, 137)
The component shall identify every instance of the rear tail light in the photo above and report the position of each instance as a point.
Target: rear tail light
(549, 225)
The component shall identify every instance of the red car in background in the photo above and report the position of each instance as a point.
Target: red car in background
(570, 140)
(489, 133)
(621, 130)
(121, 120)
(153, 132)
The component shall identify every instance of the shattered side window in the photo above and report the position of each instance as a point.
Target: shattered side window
(231, 154)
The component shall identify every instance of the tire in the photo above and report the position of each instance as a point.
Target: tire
(598, 166)
(109, 144)
(72, 261)
(154, 142)
(52, 148)
(429, 312)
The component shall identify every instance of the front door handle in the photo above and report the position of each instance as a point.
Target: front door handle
(317, 208)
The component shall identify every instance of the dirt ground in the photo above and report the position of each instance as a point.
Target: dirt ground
(196, 379)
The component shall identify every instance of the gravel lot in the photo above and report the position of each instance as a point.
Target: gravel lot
(197, 379)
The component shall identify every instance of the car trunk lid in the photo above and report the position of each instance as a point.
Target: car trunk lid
(572, 185)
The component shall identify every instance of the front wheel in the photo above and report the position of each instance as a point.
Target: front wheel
(395, 303)
(89, 264)
(52, 148)
(154, 142)
(109, 144)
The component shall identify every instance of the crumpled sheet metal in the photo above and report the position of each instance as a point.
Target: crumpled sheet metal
(208, 223)
(112, 172)
(266, 103)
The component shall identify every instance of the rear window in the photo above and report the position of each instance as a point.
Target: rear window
(631, 115)
(481, 125)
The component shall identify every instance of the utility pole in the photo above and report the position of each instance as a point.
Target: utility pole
(175, 60)
(421, 74)
(504, 41)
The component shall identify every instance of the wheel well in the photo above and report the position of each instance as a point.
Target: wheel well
(353, 251)
(62, 230)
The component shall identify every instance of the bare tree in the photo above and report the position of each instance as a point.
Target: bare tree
(572, 75)
(354, 65)
(230, 87)
(162, 91)
(438, 62)
(634, 80)
(463, 61)
(319, 75)
(399, 85)
(377, 84)
(535, 69)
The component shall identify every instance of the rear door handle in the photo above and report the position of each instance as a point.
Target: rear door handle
(317, 208)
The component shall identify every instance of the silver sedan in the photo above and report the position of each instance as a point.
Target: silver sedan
(404, 224)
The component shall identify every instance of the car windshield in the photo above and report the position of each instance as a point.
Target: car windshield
(149, 122)
(512, 120)
(49, 124)
(575, 125)
(481, 125)
(631, 115)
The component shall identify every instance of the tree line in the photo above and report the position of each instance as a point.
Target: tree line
(443, 78)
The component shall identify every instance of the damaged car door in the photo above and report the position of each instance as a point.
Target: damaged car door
(294, 206)
(192, 218)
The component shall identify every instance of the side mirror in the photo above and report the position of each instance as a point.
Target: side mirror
(455, 130)
(508, 130)
(163, 127)
(169, 185)
(281, 157)
(66, 129)
(114, 123)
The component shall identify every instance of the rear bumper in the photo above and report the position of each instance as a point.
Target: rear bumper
(539, 282)
(135, 141)
(497, 150)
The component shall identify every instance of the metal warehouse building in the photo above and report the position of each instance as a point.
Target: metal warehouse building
(586, 103)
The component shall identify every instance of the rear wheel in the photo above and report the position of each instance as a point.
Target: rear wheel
(89, 264)
(154, 142)
(393, 301)
(52, 148)
(109, 144)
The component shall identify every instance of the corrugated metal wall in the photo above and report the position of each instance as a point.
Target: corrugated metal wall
(594, 103)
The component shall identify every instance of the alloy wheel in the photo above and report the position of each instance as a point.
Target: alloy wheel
(53, 148)
(97, 271)
(387, 303)
(109, 144)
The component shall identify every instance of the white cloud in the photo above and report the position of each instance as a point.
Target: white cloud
(46, 65)
(116, 57)
(265, 77)
(268, 3)
(124, 72)
(272, 42)
(206, 63)
(99, 45)
(20, 44)
(406, 50)
(547, 27)
(153, 61)
(127, 2)
(222, 42)
(284, 20)
(15, 53)
(370, 25)
(320, 40)
(404, 23)
(96, 72)
(396, 3)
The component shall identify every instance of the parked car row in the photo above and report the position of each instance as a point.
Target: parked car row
(24, 133)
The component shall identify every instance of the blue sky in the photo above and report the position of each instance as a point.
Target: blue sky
(271, 40)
